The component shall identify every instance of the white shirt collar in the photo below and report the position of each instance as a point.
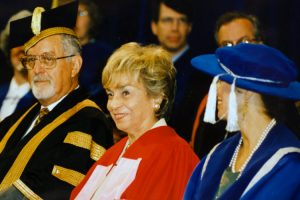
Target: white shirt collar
(176, 56)
(52, 106)
(161, 122)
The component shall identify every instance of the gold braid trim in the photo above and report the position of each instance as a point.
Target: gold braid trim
(85, 141)
(67, 175)
(25, 154)
(55, 4)
(26, 191)
(13, 128)
(97, 151)
(79, 139)
(46, 33)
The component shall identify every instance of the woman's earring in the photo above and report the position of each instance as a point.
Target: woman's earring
(156, 107)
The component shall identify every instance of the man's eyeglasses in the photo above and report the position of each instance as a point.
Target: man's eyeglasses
(46, 59)
(241, 40)
(82, 13)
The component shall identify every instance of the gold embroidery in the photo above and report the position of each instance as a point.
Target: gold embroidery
(79, 139)
(84, 140)
(25, 154)
(68, 175)
(97, 151)
(13, 128)
(26, 191)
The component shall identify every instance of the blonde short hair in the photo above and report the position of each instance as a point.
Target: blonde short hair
(151, 64)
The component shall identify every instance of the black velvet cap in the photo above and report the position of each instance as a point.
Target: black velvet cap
(60, 20)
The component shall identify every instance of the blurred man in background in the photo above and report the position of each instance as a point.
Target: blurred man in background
(172, 24)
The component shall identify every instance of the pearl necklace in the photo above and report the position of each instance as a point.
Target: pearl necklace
(260, 141)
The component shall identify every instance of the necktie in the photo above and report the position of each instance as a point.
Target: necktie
(43, 112)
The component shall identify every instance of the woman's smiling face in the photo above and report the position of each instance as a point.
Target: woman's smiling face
(131, 108)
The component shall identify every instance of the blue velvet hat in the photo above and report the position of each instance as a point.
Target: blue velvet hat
(257, 67)
(254, 67)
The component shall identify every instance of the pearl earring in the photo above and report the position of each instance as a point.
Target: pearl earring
(156, 106)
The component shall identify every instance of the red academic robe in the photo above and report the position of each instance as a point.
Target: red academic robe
(164, 164)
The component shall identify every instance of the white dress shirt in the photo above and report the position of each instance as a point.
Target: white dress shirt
(14, 95)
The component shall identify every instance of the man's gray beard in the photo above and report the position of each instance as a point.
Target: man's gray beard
(44, 92)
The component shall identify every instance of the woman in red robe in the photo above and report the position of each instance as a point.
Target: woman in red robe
(153, 162)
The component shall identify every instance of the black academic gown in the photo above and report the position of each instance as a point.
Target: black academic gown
(54, 156)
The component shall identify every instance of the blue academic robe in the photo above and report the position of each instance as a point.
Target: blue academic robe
(272, 173)
(95, 55)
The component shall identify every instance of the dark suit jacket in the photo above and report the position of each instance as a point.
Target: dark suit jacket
(192, 85)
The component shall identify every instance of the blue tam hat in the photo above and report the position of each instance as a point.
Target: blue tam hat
(254, 67)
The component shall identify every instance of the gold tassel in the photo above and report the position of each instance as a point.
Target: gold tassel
(55, 3)
(36, 20)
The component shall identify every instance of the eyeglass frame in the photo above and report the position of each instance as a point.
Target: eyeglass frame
(38, 57)
(241, 40)
(82, 13)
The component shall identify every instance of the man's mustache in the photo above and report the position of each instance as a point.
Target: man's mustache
(41, 78)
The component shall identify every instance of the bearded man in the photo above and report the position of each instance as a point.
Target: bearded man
(46, 150)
